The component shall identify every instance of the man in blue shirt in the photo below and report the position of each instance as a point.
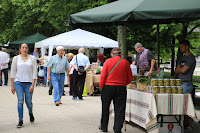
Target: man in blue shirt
(79, 60)
(57, 66)
(4, 59)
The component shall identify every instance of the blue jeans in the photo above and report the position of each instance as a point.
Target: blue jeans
(5, 72)
(58, 85)
(187, 87)
(22, 89)
(45, 75)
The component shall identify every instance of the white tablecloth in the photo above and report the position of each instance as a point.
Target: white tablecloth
(142, 107)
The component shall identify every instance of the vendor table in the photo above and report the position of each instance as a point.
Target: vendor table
(143, 108)
(90, 80)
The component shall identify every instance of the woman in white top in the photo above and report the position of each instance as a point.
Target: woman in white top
(23, 76)
(71, 69)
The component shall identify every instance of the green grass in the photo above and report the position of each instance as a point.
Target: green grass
(196, 83)
(196, 76)
(197, 90)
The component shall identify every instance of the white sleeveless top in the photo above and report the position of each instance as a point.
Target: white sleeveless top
(24, 71)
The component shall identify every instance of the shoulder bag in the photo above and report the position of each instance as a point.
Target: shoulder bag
(80, 68)
(114, 67)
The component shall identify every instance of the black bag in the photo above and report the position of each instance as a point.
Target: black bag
(80, 68)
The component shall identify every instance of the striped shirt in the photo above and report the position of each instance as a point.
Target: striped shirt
(57, 64)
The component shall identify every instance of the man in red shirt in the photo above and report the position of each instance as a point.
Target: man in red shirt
(114, 88)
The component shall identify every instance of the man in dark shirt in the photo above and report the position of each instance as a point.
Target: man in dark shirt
(186, 66)
(185, 69)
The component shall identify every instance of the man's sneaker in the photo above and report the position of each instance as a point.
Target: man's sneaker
(20, 124)
(80, 99)
(31, 118)
(57, 103)
(74, 98)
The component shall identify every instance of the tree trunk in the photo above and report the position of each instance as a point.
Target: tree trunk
(94, 54)
(121, 37)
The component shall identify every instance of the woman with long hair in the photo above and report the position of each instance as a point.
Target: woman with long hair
(23, 76)
(71, 69)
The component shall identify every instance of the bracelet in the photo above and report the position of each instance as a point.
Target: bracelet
(32, 85)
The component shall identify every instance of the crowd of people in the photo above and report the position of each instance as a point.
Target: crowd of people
(115, 76)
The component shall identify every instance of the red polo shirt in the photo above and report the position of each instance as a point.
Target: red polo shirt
(120, 76)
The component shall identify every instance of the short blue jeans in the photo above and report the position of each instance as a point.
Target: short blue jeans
(187, 87)
(58, 85)
(22, 90)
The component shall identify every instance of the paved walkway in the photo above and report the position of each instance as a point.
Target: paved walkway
(70, 117)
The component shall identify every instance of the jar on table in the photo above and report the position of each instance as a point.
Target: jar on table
(174, 89)
(172, 82)
(160, 82)
(155, 89)
(166, 82)
(179, 89)
(178, 82)
(154, 82)
(162, 89)
(168, 89)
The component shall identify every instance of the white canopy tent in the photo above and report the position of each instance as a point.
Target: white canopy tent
(76, 39)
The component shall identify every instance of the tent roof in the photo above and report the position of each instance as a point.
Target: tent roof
(137, 11)
(76, 39)
(30, 40)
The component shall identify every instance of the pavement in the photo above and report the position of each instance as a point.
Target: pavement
(70, 117)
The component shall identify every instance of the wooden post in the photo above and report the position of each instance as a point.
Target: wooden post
(173, 56)
(158, 45)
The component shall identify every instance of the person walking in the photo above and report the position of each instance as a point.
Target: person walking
(71, 69)
(4, 59)
(23, 76)
(80, 63)
(44, 60)
(57, 66)
(115, 76)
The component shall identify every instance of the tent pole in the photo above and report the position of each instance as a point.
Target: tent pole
(158, 44)
(173, 56)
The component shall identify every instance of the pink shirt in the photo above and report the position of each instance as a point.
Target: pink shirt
(71, 69)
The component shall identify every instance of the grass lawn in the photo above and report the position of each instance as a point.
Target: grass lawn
(196, 76)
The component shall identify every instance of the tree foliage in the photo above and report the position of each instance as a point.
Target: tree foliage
(19, 18)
